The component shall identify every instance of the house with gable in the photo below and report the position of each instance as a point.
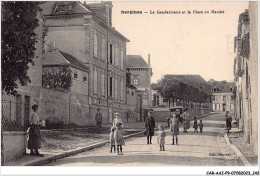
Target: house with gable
(141, 74)
(85, 31)
(65, 89)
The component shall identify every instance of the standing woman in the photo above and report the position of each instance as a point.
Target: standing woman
(174, 126)
(228, 121)
(149, 127)
(34, 142)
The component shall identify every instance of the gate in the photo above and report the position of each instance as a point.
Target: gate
(26, 112)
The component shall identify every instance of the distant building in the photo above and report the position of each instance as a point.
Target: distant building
(222, 98)
(85, 31)
(141, 74)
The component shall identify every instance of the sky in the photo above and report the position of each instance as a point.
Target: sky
(182, 43)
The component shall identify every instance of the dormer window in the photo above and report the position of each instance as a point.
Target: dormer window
(215, 89)
(63, 8)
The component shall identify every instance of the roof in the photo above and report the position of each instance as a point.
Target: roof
(130, 86)
(77, 7)
(136, 61)
(223, 86)
(51, 9)
(193, 80)
(56, 57)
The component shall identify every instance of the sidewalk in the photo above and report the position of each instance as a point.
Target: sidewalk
(243, 150)
(29, 160)
(69, 143)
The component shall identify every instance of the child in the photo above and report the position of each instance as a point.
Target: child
(112, 140)
(119, 139)
(161, 137)
(195, 125)
(201, 126)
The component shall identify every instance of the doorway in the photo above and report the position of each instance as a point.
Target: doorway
(224, 107)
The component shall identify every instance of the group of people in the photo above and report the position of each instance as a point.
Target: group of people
(175, 121)
(117, 132)
(116, 135)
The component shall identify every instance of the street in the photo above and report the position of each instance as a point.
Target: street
(194, 149)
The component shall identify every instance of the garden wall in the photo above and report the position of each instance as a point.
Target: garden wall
(61, 108)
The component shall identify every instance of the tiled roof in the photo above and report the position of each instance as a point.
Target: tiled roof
(130, 86)
(135, 61)
(77, 7)
(222, 86)
(56, 57)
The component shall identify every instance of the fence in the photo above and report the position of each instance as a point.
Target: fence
(12, 117)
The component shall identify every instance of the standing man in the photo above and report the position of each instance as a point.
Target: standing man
(149, 127)
(228, 121)
(98, 118)
(174, 126)
(186, 117)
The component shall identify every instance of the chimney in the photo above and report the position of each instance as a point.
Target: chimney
(149, 62)
(102, 10)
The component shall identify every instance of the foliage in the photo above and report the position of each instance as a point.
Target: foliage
(19, 21)
(170, 87)
(60, 80)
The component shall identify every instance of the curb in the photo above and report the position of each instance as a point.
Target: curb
(48, 159)
(239, 155)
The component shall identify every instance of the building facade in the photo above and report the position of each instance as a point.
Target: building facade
(141, 74)
(246, 75)
(85, 31)
(222, 97)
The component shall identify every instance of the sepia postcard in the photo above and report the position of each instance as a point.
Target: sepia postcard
(129, 87)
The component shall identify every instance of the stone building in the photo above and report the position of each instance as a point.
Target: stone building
(222, 98)
(141, 74)
(85, 31)
(246, 74)
(63, 103)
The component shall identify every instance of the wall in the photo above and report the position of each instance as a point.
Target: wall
(65, 108)
(78, 85)
(132, 109)
(253, 11)
(14, 150)
(67, 38)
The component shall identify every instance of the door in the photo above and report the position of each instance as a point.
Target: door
(224, 107)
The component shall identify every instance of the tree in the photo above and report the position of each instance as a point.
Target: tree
(19, 21)
(170, 87)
